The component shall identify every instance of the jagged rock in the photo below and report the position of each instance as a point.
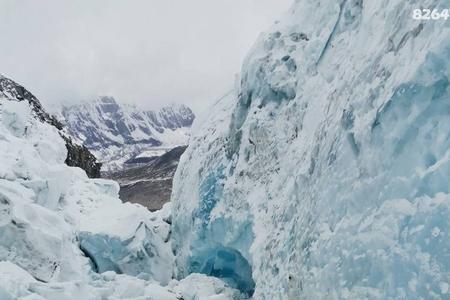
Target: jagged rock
(80, 156)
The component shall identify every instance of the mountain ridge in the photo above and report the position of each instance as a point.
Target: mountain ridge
(117, 132)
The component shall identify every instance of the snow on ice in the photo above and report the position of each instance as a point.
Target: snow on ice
(326, 174)
(65, 236)
(323, 176)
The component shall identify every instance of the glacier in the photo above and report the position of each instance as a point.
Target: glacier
(66, 236)
(325, 173)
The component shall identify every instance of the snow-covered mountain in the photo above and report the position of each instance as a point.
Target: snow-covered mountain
(326, 174)
(119, 132)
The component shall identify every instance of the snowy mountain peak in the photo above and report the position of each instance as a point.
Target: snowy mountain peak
(176, 116)
(106, 99)
(104, 122)
(121, 131)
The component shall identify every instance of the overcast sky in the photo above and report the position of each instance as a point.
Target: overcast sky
(150, 52)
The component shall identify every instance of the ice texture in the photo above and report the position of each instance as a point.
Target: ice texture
(65, 236)
(139, 247)
(326, 172)
(17, 284)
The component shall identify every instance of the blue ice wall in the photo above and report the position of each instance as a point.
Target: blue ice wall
(211, 253)
(225, 263)
(210, 190)
(336, 155)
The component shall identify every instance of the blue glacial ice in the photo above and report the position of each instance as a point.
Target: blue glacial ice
(326, 172)
(65, 236)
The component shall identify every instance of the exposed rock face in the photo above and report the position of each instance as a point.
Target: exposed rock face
(149, 184)
(80, 156)
(118, 132)
(77, 156)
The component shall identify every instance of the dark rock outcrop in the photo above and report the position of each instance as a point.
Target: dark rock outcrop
(80, 156)
(77, 156)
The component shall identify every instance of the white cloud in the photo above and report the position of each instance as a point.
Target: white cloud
(143, 51)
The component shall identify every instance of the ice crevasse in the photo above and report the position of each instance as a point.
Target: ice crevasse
(325, 174)
(65, 236)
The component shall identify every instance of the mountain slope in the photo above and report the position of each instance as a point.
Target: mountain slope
(77, 155)
(326, 175)
(117, 132)
(149, 184)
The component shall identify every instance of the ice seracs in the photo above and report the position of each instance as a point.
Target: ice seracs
(323, 176)
(134, 249)
(327, 171)
(65, 236)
